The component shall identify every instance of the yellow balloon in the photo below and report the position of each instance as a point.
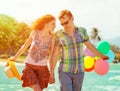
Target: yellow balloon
(88, 62)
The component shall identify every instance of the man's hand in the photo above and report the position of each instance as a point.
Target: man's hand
(104, 57)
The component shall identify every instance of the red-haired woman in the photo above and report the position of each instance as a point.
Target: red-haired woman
(41, 41)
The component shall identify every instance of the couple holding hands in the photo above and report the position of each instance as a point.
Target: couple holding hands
(67, 42)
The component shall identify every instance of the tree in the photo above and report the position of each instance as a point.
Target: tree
(7, 30)
(95, 37)
(12, 34)
(22, 33)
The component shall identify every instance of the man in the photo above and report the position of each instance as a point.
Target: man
(69, 42)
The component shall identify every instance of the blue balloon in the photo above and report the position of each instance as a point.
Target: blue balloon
(111, 56)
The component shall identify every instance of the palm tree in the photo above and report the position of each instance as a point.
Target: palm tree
(95, 37)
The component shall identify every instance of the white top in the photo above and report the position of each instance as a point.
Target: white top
(29, 60)
(39, 50)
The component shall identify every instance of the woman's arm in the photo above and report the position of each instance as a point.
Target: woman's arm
(51, 53)
(24, 47)
(55, 58)
(53, 63)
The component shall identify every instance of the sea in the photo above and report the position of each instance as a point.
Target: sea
(92, 81)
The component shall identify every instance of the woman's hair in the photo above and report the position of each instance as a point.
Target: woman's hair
(65, 12)
(40, 22)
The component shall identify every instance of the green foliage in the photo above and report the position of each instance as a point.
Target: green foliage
(12, 34)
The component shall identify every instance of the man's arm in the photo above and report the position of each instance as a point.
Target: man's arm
(93, 49)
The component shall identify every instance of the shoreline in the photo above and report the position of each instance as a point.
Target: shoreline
(16, 63)
(3, 62)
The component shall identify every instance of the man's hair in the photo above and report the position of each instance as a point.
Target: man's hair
(65, 12)
(40, 22)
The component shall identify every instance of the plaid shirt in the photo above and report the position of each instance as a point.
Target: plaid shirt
(72, 50)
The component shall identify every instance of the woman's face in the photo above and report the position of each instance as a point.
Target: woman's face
(51, 26)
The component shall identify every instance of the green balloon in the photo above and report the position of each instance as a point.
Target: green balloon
(103, 47)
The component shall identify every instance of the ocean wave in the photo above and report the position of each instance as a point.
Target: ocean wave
(101, 88)
(115, 78)
(114, 71)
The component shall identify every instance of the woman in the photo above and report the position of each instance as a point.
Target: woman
(36, 73)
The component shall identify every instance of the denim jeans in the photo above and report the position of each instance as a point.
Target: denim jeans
(70, 81)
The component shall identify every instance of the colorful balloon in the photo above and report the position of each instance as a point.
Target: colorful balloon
(96, 58)
(103, 47)
(87, 52)
(111, 56)
(90, 69)
(88, 63)
(101, 66)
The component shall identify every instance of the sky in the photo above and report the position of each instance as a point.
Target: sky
(102, 14)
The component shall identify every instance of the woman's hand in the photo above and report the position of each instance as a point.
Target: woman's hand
(10, 59)
(51, 78)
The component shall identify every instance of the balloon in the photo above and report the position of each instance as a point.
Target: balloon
(88, 63)
(111, 56)
(87, 52)
(103, 47)
(96, 58)
(90, 69)
(101, 66)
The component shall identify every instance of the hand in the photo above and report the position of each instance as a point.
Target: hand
(12, 58)
(7, 64)
(104, 57)
(51, 79)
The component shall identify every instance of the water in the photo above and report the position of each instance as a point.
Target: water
(92, 81)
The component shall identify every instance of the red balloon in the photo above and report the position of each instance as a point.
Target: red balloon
(101, 66)
(89, 70)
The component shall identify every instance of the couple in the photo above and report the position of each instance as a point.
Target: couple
(43, 42)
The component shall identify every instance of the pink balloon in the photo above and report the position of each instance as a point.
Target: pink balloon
(101, 66)
(87, 52)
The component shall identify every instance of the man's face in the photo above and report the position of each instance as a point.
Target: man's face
(64, 20)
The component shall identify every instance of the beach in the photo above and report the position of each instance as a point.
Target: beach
(92, 81)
